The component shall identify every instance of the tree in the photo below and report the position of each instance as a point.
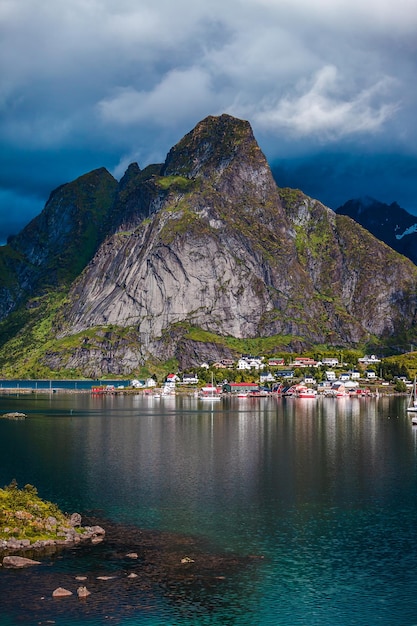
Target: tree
(400, 386)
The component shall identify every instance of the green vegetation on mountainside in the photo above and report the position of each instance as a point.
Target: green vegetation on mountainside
(27, 334)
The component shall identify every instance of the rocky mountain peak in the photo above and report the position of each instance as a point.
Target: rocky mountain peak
(132, 172)
(211, 146)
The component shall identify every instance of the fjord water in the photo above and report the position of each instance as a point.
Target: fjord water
(324, 491)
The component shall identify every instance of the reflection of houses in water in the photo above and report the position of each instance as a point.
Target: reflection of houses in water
(169, 449)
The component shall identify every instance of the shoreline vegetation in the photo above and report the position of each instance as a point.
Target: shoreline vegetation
(28, 523)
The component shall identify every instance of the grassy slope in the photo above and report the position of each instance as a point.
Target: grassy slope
(24, 515)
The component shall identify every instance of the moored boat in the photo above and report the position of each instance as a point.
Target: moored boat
(210, 392)
(307, 392)
(412, 403)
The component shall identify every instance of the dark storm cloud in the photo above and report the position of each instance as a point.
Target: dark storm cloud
(91, 83)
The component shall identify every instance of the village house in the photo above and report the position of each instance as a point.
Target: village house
(171, 381)
(304, 362)
(276, 362)
(247, 362)
(266, 377)
(330, 375)
(337, 389)
(149, 382)
(284, 374)
(369, 360)
(224, 364)
(331, 361)
(309, 380)
(189, 379)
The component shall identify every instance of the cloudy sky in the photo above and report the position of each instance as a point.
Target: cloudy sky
(329, 87)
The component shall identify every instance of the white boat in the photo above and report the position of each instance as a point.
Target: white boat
(307, 392)
(412, 403)
(210, 393)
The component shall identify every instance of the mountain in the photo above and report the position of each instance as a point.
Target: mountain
(57, 244)
(388, 222)
(205, 257)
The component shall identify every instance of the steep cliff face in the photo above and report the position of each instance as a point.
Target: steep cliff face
(56, 246)
(224, 250)
(368, 288)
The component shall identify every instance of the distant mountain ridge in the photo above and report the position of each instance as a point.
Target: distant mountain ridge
(189, 261)
(389, 223)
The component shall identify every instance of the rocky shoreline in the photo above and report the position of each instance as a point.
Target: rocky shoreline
(68, 535)
(123, 575)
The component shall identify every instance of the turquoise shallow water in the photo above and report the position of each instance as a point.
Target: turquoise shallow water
(324, 491)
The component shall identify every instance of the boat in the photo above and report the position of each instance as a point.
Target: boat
(412, 402)
(258, 394)
(306, 392)
(210, 393)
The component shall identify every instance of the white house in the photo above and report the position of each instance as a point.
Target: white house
(190, 379)
(330, 361)
(309, 380)
(266, 377)
(170, 381)
(344, 376)
(369, 360)
(351, 384)
(370, 374)
(330, 375)
(247, 362)
(137, 384)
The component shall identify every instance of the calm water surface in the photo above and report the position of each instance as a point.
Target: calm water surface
(324, 491)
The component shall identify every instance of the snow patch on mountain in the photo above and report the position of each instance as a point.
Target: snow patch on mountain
(408, 231)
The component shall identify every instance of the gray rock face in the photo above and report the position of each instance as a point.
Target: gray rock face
(230, 253)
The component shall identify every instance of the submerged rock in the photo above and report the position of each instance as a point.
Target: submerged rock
(83, 592)
(14, 416)
(60, 592)
(18, 562)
